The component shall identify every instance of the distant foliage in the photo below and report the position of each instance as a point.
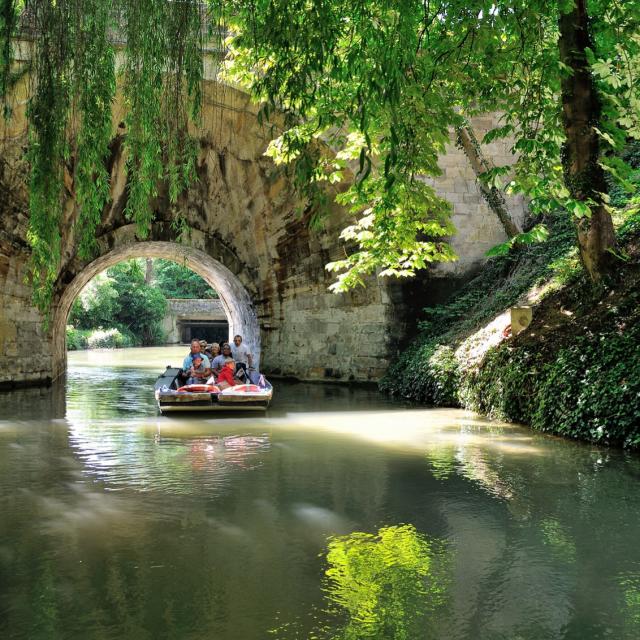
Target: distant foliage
(107, 339)
(120, 299)
(176, 280)
(76, 338)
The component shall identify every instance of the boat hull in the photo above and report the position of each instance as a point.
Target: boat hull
(171, 400)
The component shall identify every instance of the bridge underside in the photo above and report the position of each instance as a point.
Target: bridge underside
(244, 234)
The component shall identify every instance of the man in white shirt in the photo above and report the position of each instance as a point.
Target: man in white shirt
(241, 355)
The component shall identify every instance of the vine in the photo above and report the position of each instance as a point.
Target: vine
(70, 111)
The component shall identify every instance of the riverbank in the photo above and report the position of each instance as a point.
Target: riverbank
(575, 371)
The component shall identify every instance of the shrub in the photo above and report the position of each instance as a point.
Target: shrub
(589, 389)
(107, 339)
(76, 338)
(431, 375)
(582, 381)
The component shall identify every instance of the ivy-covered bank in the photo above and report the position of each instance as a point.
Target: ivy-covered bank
(575, 371)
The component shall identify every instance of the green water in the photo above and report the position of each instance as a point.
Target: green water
(116, 522)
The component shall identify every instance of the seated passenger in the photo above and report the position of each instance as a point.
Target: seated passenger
(218, 363)
(195, 349)
(197, 373)
(188, 361)
(226, 378)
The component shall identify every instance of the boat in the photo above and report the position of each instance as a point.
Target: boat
(253, 396)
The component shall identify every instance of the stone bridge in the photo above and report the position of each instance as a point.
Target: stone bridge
(246, 239)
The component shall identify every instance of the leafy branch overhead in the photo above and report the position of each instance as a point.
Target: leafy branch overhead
(399, 76)
(370, 92)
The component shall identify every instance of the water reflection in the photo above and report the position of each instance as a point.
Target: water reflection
(379, 586)
(117, 522)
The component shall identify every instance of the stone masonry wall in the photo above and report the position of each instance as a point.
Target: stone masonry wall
(248, 239)
(210, 309)
(478, 228)
(25, 348)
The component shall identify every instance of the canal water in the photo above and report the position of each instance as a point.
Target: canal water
(116, 522)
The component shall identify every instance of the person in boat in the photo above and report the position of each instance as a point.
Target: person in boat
(188, 361)
(227, 377)
(218, 363)
(214, 347)
(242, 356)
(197, 373)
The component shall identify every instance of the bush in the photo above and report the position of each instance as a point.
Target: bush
(76, 338)
(589, 390)
(107, 339)
(578, 378)
(432, 377)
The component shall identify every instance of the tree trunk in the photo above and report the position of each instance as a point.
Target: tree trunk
(495, 199)
(148, 275)
(583, 174)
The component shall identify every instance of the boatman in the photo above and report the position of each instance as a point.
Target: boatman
(241, 355)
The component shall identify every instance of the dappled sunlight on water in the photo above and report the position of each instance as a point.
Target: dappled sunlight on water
(118, 522)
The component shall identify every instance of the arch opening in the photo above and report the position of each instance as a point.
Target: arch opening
(234, 296)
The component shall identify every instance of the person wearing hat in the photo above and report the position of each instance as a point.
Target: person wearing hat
(197, 373)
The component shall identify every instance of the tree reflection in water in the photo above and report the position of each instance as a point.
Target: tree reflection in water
(380, 586)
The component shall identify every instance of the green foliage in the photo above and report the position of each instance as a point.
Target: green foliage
(588, 390)
(383, 83)
(99, 338)
(539, 233)
(430, 374)
(176, 280)
(76, 338)
(121, 299)
(106, 339)
(428, 371)
(580, 383)
(70, 111)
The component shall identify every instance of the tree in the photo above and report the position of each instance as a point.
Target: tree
(385, 82)
(120, 298)
(381, 82)
(178, 281)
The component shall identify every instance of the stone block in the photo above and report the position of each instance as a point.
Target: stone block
(520, 318)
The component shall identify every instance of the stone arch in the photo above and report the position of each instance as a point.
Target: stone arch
(236, 298)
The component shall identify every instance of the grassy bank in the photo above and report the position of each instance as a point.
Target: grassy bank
(575, 371)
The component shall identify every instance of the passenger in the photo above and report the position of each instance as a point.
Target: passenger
(197, 373)
(215, 350)
(241, 355)
(218, 363)
(188, 361)
(226, 378)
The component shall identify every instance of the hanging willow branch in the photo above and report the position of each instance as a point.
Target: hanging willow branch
(73, 87)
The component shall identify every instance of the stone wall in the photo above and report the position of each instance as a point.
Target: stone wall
(25, 348)
(246, 237)
(180, 310)
(477, 227)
